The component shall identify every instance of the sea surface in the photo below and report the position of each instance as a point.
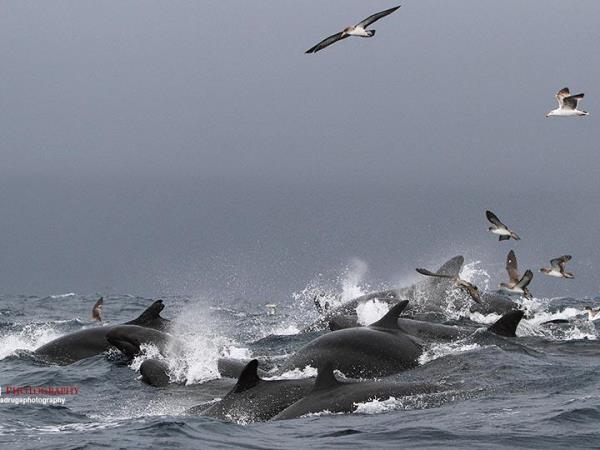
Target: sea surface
(539, 390)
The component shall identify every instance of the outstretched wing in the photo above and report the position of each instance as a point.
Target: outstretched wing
(511, 267)
(559, 263)
(571, 101)
(560, 96)
(375, 17)
(429, 273)
(327, 42)
(493, 218)
(524, 282)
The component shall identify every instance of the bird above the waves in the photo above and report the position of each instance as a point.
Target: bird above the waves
(557, 268)
(517, 285)
(97, 310)
(499, 228)
(357, 30)
(593, 314)
(470, 288)
(567, 104)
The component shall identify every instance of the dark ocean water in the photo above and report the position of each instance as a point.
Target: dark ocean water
(540, 390)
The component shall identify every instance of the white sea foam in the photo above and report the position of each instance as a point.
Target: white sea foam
(451, 348)
(234, 352)
(28, 338)
(283, 330)
(69, 294)
(295, 374)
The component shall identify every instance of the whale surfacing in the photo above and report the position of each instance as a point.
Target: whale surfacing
(380, 349)
(330, 394)
(92, 341)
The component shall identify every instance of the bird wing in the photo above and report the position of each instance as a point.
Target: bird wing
(560, 95)
(571, 101)
(429, 273)
(524, 282)
(327, 42)
(559, 263)
(99, 303)
(511, 267)
(375, 17)
(493, 218)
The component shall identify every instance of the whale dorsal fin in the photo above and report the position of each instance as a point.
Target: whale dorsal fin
(325, 378)
(152, 313)
(390, 320)
(507, 324)
(248, 378)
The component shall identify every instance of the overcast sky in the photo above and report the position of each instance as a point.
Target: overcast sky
(176, 146)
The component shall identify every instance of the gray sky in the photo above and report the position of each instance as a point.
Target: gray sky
(193, 146)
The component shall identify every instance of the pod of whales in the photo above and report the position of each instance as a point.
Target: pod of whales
(92, 341)
(430, 294)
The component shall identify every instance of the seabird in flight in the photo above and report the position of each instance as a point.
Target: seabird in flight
(516, 285)
(567, 104)
(357, 30)
(499, 228)
(557, 268)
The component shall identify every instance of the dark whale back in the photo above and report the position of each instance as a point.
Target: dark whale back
(380, 349)
(253, 399)
(330, 394)
(92, 341)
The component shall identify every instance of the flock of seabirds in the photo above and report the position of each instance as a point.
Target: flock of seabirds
(366, 357)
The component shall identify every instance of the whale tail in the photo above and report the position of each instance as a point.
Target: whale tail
(248, 378)
(507, 324)
(151, 317)
(390, 320)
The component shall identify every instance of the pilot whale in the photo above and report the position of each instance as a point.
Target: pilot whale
(380, 349)
(434, 332)
(254, 399)
(92, 341)
(332, 395)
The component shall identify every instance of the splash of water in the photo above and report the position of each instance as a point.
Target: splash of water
(352, 281)
(371, 311)
(474, 273)
(29, 338)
